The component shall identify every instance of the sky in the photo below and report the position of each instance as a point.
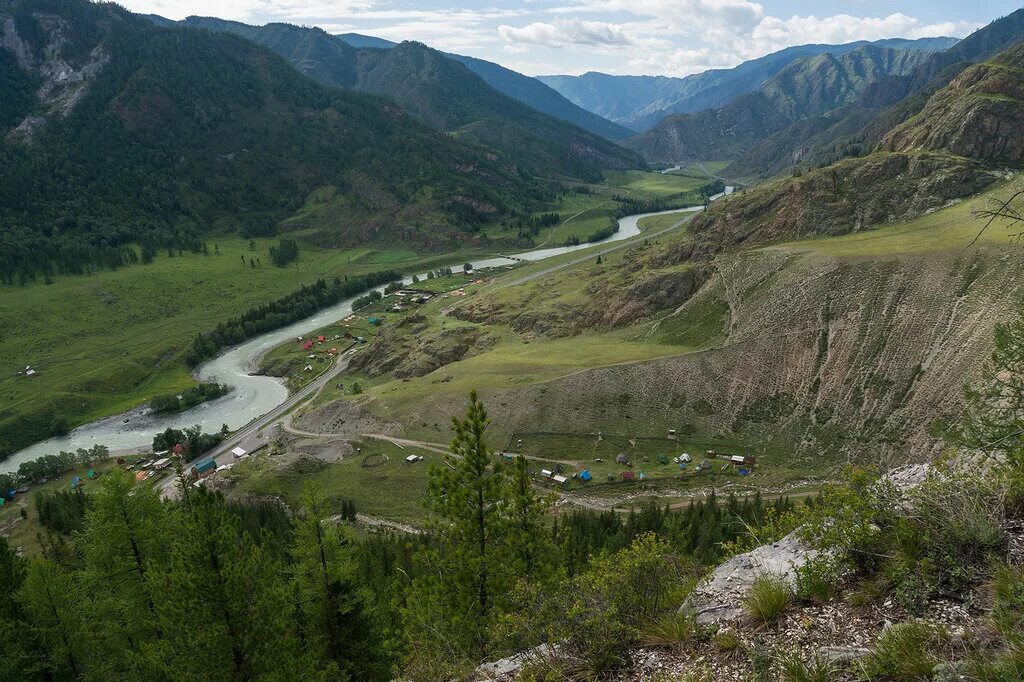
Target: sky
(640, 37)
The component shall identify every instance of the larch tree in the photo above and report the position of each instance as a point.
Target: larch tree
(223, 594)
(125, 534)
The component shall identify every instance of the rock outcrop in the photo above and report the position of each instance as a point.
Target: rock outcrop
(978, 115)
(719, 598)
(63, 83)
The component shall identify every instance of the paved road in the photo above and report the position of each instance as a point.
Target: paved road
(248, 437)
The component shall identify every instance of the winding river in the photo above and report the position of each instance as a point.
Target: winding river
(252, 395)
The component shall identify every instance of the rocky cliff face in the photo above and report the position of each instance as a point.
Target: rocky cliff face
(63, 80)
(968, 135)
(979, 115)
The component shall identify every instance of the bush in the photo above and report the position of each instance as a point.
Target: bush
(609, 607)
(905, 651)
(768, 598)
(818, 579)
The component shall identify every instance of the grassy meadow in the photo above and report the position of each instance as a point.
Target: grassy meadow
(375, 477)
(104, 343)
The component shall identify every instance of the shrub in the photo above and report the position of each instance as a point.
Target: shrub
(768, 598)
(905, 651)
(818, 579)
(912, 583)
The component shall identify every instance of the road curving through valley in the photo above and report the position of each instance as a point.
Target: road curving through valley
(255, 397)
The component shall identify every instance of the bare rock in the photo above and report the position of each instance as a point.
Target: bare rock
(508, 668)
(842, 654)
(719, 597)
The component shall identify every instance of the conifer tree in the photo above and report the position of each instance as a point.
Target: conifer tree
(529, 545)
(466, 568)
(335, 624)
(223, 594)
(48, 596)
(125, 535)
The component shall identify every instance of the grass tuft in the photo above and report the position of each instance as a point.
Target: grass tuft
(905, 651)
(794, 668)
(768, 598)
(670, 630)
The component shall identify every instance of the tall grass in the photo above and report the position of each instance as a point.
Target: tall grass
(768, 598)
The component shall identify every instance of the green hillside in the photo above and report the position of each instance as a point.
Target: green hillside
(858, 128)
(965, 138)
(443, 93)
(169, 134)
(807, 87)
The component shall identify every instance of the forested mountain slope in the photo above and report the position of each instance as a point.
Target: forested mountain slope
(125, 132)
(807, 87)
(968, 135)
(441, 92)
(858, 127)
(640, 102)
(535, 93)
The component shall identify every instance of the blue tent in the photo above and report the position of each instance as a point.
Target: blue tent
(11, 493)
(585, 475)
(76, 481)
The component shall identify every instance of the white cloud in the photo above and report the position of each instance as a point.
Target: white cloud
(671, 37)
(566, 32)
(773, 33)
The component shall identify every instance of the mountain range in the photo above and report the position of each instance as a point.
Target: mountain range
(443, 93)
(640, 102)
(859, 126)
(966, 136)
(527, 90)
(806, 87)
(119, 131)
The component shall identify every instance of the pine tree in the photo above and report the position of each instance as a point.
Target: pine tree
(466, 568)
(526, 536)
(335, 624)
(223, 594)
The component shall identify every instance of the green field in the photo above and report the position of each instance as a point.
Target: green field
(104, 343)
(658, 222)
(375, 477)
(645, 185)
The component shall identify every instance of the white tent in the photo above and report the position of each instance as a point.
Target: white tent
(238, 452)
